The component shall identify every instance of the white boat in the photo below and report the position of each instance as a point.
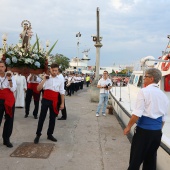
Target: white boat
(123, 101)
(80, 65)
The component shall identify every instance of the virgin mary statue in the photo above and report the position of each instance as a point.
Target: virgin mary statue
(26, 34)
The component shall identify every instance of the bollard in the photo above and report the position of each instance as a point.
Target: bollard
(110, 109)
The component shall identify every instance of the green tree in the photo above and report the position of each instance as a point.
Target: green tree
(113, 72)
(124, 71)
(62, 61)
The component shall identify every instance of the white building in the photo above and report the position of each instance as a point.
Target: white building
(115, 68)
(111, 69)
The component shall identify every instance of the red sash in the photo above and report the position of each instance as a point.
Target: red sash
(52, 95)
(33, 87)
(7, 95)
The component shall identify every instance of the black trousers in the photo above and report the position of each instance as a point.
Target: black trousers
(87, 83)
(76, 86)
(8, 124)
(29, 94)
(45, 105)
(63, 111)
(81, 84)
(144, 149)
(65, 87)
(69, 90)
(72, 88)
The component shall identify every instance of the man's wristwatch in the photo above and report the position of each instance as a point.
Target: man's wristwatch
(10, 80)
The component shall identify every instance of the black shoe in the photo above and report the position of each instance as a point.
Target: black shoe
(26, 116)
(51, 137)
(35, 117)
(61, 118)
(8, 144)
(36, 140)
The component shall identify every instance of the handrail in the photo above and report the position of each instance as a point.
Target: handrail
(156, 60)
(143, 65)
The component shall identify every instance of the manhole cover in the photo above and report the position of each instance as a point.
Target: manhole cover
(31, 150)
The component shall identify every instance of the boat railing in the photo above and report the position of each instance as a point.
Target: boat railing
(156, 60)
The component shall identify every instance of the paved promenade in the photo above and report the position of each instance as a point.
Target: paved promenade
(85, 142)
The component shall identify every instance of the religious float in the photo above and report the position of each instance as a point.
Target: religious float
(23, 57)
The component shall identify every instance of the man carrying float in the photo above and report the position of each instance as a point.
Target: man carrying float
(33, 81)
(7, 103)
(52, 86)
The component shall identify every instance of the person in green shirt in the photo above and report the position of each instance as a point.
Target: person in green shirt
(87, 80)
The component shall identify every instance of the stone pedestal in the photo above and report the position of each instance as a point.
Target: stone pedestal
(94, 92)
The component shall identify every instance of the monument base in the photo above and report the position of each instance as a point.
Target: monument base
(94, 92)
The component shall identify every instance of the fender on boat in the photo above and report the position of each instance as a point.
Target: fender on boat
(165, 66)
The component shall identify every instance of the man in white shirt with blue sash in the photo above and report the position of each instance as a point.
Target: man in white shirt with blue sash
(149, 113)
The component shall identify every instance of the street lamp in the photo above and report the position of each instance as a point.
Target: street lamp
(78, 35)
(97, 39)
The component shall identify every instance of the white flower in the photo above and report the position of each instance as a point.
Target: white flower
(28, 60)
(35, 56)
(22, 50)
(14, 59)
(8, 61)
(20, 53)
(37, 64)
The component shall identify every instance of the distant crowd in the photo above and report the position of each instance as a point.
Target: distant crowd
(74, 82)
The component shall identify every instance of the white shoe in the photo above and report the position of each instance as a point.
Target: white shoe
(97, 115)
(104, 114)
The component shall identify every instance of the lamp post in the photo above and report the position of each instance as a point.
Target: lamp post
(98, 45)
(97, 39)
(78, 35)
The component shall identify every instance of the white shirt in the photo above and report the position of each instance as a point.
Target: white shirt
(102, 82)
(75, 79)
(79, 79)
(151, 102)
(70, 79)
(55, 84)
(61, 76)
(65, 78)
(4, 83)
(82, 78)
(38, 79)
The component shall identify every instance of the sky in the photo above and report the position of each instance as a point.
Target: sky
(131, 29)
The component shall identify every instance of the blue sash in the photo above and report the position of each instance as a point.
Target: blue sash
(149, 123)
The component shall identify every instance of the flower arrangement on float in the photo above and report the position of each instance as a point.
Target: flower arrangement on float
(24, 58)
(23, 61)
(17, 57)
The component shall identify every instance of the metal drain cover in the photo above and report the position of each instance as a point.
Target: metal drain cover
(31, 150)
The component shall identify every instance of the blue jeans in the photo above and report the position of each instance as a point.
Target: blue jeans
(103, 99)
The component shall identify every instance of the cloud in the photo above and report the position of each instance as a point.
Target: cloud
(130, 28)
(124, 5)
